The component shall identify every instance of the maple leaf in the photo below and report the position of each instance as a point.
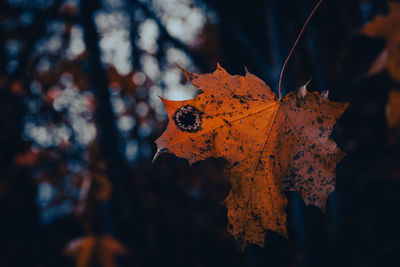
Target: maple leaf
(90, 250)
(388, 27)
(270, 146)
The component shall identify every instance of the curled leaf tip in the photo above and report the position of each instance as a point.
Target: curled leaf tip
(158, 153)
(324, 95)
(302, 92)
(303, 89)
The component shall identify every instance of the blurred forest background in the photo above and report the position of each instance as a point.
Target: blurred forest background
(79, 113)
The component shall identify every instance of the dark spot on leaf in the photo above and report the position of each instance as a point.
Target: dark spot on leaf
(188, 118)
(310, 170)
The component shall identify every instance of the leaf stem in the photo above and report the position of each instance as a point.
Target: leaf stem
(294, 46)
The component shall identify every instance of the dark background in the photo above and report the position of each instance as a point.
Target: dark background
(79, 114)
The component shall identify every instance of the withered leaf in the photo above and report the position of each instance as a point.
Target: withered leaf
(270, 146)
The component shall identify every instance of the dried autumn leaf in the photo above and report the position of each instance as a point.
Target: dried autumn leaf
(91, 250)
(270, 146)
(388, 27)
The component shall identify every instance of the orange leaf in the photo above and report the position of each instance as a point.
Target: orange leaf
(95, 250)
(270, 146)
(388, 27)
